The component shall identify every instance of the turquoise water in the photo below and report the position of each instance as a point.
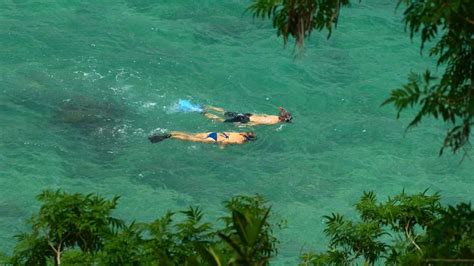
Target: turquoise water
(83, 83)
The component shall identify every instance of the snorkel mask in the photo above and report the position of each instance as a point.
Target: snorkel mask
(284, 115)
(250, 136)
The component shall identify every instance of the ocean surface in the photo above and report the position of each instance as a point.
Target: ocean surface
(83, 83)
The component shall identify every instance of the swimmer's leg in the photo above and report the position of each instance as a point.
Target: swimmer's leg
(190, 137)
(213, 108)
(214, 117)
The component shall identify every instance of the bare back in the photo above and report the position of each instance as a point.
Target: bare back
(258, 119)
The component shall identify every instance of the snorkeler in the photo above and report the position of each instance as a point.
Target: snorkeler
(247, 118)
(222, 138)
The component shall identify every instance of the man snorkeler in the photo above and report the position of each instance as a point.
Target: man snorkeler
(222, 138)
(247, 118)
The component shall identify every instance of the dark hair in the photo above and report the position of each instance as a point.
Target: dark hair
(250, 136)
(284, 115)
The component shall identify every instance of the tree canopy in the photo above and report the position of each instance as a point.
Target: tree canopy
(76, 228)
(407, 229)
(450, 24)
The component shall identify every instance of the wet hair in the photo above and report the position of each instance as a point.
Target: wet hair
(250, 136)
(284, 115)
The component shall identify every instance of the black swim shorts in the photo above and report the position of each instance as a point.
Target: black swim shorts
(233, 117)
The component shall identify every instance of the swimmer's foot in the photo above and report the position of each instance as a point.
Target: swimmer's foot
(158, 138)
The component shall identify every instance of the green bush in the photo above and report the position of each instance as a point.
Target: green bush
(76, 228)
(406, 229)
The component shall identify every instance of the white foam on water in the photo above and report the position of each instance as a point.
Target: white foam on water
(149, 104)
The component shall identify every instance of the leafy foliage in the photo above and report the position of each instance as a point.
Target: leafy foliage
(298, 18)
(4, 259)
(355, 239)
(248, 232)
(32, 250)
(123, 248)
(449, 23)
(451, 98)
(402, 212)
(452, 235)
(175, 244)
(404, 230)
(66, 221)
(78, 229)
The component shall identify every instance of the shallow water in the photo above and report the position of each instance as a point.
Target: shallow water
(85, 82)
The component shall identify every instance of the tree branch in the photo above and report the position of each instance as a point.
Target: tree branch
(334, 14)
(407, 233)
(57, 252)
(470, 21)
